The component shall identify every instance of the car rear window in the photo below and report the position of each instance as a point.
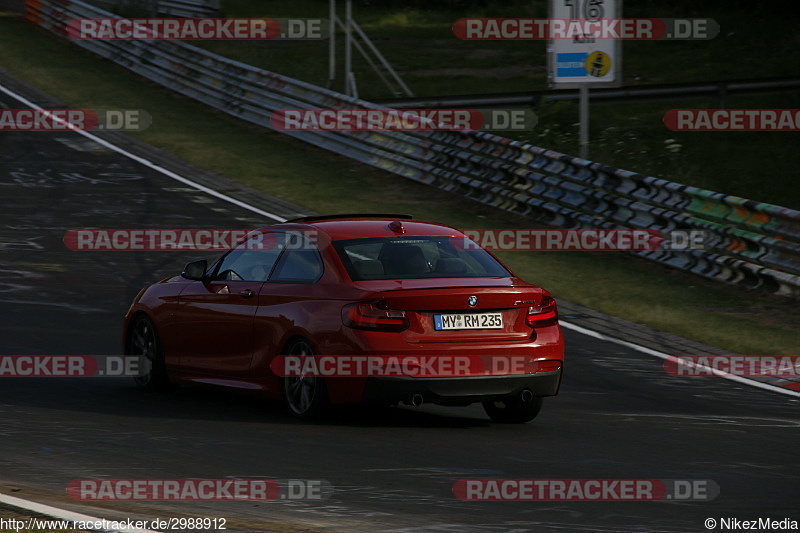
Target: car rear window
(413, 258)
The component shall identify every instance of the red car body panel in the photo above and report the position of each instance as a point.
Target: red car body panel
(227, 332)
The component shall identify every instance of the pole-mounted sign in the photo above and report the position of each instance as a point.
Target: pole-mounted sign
(581, 59)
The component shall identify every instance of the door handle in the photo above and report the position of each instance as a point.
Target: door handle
(247, 293)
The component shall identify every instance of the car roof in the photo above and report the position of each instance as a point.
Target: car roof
(357, 227)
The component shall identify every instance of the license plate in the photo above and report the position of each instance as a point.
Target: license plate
(468, 321)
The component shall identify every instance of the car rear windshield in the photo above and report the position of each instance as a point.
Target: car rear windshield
(414, 258)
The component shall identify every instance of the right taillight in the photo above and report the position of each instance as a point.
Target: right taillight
(544, 314)
(375, 316)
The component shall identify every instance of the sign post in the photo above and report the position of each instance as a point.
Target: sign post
(332, 44)
(583, 115)
(583, 60)
(348, 40)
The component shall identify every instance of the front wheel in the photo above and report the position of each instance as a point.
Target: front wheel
(513, 410)
(305, 396)
(143, 341)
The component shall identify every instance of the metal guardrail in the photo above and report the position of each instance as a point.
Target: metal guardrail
(671, 91)
(752, 244)
(166, 8)
(188, 8)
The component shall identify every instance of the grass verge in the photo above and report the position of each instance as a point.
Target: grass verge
(619, 285)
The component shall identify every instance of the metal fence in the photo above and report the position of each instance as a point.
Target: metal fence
(750, 243)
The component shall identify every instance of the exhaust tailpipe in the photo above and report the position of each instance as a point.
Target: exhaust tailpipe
(526, 396)
(416, 400)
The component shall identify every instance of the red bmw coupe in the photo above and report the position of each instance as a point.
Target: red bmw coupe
(350, 286)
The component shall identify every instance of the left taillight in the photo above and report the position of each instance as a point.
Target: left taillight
(375, 316)
(544, 314)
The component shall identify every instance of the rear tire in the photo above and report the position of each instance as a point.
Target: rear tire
(305, 397)
(143, 340)
(513, 410)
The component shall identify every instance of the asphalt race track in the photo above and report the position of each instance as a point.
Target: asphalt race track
(619, 415)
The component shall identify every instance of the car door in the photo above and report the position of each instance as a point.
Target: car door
(290, 300)
(216, 316)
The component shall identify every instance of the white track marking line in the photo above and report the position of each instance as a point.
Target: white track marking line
(62, 514)
(662, 355)
(146, 162)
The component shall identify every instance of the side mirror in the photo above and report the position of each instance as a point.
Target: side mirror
(195, 270)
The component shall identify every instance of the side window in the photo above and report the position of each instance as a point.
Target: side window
(244, 264)
(298, 266)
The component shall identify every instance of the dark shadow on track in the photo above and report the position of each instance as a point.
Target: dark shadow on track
(120, 397)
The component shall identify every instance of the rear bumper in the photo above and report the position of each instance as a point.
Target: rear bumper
(460, 391)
